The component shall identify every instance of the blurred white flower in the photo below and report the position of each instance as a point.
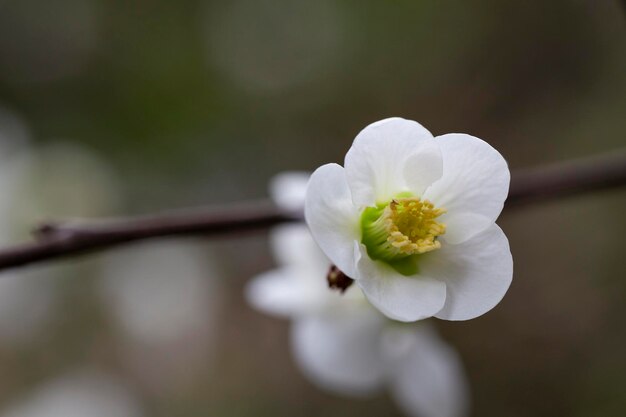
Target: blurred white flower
(288, 189)
(57, 180)
(344, 345)
(27, 302)
(14, 134)
(60, 180)
(428, 376)
(160, 292)
(14, 141)
(81, 394)
(411, 219)
(164, 297)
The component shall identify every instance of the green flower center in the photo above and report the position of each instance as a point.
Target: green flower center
(398, 231)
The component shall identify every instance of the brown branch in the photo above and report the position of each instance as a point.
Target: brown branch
(57, 240)
(568, 178)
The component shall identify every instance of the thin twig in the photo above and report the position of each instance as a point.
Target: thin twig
(568, 178)
(57, 240)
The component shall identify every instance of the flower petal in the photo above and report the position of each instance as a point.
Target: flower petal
(423, 167)
(475, 178)
(340, 353)
(477, 273)
(331, 216)
(427, 376)
(375, 162)
(288, 189)
(293, 245)
(284, 292)
(397, 296)
(463, 226)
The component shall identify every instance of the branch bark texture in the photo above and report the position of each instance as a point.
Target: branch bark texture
(64, 239)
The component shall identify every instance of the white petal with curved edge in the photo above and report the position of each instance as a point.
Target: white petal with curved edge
(475, 178)
(293, 245)
(427, 376)
(397, 296)
(276, 292)
(463, 226)
(423, 167)
(288, 189)
(281, 292)
(375, 162)
(340, 353)
(477, 273)
(332, 218)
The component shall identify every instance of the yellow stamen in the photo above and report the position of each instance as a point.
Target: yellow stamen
(403, 227)
(411, 225)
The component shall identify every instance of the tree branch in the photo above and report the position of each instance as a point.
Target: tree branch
(568, 178)
(57, 240)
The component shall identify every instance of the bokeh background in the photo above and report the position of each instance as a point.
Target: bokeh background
(111, 107)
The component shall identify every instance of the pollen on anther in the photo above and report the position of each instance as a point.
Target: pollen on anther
(412, 226)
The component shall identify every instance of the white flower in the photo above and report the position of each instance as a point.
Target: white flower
(288, 189)
(412, 219)
(339, 341)
(83, 393)
(344, 345)
(53, 180)
(162, 292)
(163, 297)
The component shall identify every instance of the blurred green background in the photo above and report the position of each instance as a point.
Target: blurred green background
(174, 104)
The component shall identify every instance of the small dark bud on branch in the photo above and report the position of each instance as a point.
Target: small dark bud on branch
(337, 280)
